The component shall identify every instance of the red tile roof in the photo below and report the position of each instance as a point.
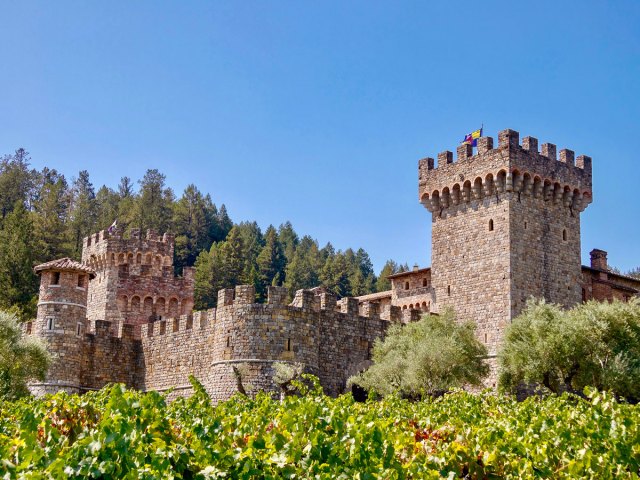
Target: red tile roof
(65, 264)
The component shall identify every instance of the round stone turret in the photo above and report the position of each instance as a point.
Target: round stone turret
(62, 321)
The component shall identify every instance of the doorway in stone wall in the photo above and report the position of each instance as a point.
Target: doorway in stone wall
(359, 394)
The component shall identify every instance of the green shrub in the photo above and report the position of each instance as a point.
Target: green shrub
(21, 358)
(425, 358)
(594, 344)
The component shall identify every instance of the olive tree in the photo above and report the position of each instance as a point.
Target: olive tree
(594, 344)
(425, 358)
(21, 359)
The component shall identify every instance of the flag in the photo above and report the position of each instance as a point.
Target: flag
(113, 226)
(472, 138)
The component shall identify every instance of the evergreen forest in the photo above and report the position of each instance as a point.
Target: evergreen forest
(44, 215)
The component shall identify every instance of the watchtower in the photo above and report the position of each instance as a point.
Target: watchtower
(61, 322)
(505, 226)
(135, 281)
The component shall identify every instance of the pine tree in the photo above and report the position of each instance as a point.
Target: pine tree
(193, 216)
(83, 212)
(252, 243)
(51, 208)
(383, 283)
(154, 204)
(224, 224)
(334, 274)
(362, 278)
(204, 293)
(303, 271)
(288, 239)
(16, 181)
(270, 261)
(19, 285)
(127, 204)
(107, 206)
(232, 252)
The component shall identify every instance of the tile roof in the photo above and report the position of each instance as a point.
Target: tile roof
(409, 272)
(65, 264)
(374, 296)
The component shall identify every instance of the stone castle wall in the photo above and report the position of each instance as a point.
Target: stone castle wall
(242, 333)
(332, 339)
(109, 357)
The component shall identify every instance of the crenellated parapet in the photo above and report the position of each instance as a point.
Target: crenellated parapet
(135, 279)
(512, 167)
(111, 249)
(326, 335)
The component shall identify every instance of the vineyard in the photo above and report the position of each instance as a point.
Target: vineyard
(118, 433)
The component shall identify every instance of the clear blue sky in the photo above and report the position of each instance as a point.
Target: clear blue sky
(317, 112)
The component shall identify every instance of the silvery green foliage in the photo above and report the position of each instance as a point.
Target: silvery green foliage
(426, 357)
(21, 359)
(594, 344)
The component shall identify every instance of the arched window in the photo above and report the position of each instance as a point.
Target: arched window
(135, 304)
(491, 225)
(564, 234)
(424, 282)
(406, 285)
(448, 289)
(139, 258)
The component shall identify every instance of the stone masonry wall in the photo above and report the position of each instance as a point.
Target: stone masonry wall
(135, 281)
(61, 325)
(240, 332)
(109, 358)
(545, 253)
(505, 227)
(471, 265)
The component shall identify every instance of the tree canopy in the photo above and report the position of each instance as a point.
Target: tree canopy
(425, 358)
(45, 216)
(594, 344)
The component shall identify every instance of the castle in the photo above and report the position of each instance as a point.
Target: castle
(506, 226)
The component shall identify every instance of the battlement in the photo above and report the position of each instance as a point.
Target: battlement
(244, 296)
(511, 167)
(104, 248)
(200, 320)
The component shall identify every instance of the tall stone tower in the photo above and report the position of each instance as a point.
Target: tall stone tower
(135, 282)
(505, 226)
(61, 322)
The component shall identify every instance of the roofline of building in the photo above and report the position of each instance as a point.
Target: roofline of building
(374, 296)
(625, 277)
(72, 267)
(409, 272)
